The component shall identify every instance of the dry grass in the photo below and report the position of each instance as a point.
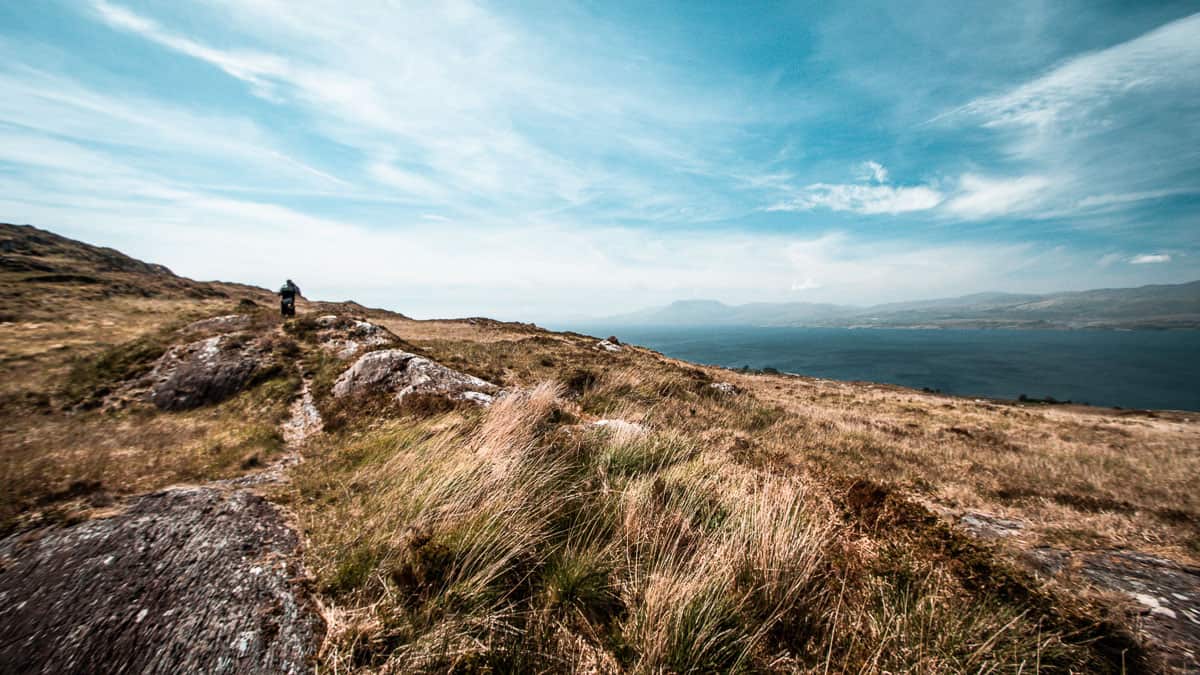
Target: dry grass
(782, 528)
(1077, 476)
(521, 539)
(57, 465)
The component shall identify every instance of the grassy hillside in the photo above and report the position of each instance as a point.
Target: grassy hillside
(711, 521)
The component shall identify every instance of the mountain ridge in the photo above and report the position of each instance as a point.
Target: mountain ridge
(1154, 306)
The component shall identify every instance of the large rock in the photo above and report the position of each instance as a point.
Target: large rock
(189, 580)
(348, 337)
(205, 371)
(400, 373)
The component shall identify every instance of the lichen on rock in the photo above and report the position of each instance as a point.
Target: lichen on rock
(186, 580)
(205, 371)
(397, 372)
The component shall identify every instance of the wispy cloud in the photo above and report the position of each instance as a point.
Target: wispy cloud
(864, 199)
(872, 170)
(871, 196)
(1150, 259)
(982, 197)
(1071, 94)
(453, 90)
(1102, 123)
(489, 154)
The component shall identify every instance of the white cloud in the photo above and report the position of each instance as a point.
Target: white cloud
(872, 170)
(1165, 58)
(983, 197)
(451, 88)
(864, 199)
(1150, 259)
(256, 68)
(1112, 127)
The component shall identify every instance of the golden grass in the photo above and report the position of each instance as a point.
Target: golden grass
(521, 539)
(777, 529)
(1077, 476)
(94, 456)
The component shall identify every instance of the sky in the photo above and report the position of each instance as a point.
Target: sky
(543, 161)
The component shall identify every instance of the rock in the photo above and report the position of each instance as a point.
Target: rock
(607, 346)
(989, 526)
(478, 397)
(400, 373)
(197, 580)
(365, 329)
(204, 372)
(1166, 592)
(724, 387)
(348, 338)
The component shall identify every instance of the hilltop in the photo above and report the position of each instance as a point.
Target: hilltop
(195, 484)
(1158, 307)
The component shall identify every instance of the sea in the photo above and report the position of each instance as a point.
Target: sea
(1128, 369)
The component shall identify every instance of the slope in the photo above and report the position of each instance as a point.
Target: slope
(609, 511)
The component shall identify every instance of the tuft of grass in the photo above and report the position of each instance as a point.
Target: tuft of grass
(90, 379)
(625, 455)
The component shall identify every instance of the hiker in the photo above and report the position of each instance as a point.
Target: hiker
(287, 298)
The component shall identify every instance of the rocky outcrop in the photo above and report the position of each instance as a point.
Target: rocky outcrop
(205, 371)
(400, 373)
(349, 337)
(988, 526)
(199, 580)
(608, 346)
(1165, 593)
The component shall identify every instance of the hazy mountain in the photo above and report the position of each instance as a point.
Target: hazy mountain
(711, 312)
(1162, 306)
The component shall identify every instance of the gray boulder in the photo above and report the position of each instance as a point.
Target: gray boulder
(187, 580)
(398, 372)
(348, 337)
(607, 346)
(205, 371)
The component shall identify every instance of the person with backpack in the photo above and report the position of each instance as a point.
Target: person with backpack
(287, 298)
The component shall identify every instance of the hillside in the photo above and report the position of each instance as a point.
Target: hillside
(1147, 307)
(194, 484)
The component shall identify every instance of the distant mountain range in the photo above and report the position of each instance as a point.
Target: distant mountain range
(1146, 307)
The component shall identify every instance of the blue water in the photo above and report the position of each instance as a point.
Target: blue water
(1131, 369)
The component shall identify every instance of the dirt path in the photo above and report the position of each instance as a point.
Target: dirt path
(187, 579)
(304, 421)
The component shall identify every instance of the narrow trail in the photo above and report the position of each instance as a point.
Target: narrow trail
(304, 421)
(187, 579)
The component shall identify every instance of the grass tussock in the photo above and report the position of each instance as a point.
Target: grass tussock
(521, 540)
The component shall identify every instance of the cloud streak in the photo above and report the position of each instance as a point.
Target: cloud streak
(466, 157)
(1150, 259)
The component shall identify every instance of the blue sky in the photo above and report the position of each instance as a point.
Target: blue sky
(547, 160)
